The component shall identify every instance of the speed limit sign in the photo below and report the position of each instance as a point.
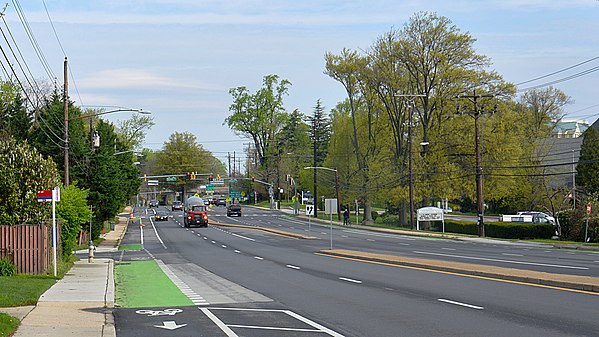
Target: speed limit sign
(589, 208)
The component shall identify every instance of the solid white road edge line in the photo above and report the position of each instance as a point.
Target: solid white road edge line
(158, 236)
(219, 323)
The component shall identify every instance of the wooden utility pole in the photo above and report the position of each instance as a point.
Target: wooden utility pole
(479, 170)
(66, 123)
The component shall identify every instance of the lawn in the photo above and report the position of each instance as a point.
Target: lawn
(23, 289)
(8, 325)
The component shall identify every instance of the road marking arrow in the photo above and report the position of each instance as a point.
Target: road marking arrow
(170, 325)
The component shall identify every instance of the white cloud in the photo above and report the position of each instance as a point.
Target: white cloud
(139, 79)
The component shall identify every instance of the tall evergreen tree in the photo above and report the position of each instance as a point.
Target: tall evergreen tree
(588, 162)
(320, 133)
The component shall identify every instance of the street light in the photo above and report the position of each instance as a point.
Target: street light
(66, 133)
(336, 186)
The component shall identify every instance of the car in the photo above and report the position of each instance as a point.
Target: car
(234, 209)
(177, 206)
(221, 202)
(160, 216)
(153, 203)
(539, 217)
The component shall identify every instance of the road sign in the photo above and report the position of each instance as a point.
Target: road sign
(209, 187)
(310, 210)
(218, 182)
(589, 208)
(232, 180)
(234, 194)
(171, 178)
(44, 195)
(152, 182)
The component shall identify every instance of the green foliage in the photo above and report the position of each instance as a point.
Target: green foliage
(74, 211)
(23, 172)
(461, 227)
(15, 120)
(588, 163)
(8, 325)
(511, 230)
(7, 267)
(181, 153)
(22, 290)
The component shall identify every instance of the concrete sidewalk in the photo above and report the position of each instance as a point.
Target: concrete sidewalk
(80, 304)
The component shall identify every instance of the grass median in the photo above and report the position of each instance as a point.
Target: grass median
(142, 284)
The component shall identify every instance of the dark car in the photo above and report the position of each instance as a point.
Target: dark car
(153, 203)
(160, 216)
(234, 210)
(221, 202)
(177, 206)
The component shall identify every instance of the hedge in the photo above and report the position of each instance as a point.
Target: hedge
(503, 230)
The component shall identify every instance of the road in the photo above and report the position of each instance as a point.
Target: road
(252, 283)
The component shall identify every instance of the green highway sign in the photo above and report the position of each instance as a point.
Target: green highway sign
(209, 187)
(171, 178)
(232, 180)
(234, 194)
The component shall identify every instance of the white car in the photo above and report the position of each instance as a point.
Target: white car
(540, 216)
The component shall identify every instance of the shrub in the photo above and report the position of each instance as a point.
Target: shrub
(7, 268)
(461, 227)
(513, 230)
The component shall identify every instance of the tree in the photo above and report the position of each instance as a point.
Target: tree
(23, 172)
(259, 116)
(587, 169)
(132, 131)
(74, 211)
(182, 153)
(320, 133)
(15, 120)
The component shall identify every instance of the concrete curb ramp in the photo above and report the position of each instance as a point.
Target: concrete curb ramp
(269, 230)
(579, 283)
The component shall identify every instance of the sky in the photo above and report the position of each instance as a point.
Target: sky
(179, 58)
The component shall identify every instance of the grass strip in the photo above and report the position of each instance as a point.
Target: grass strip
(143, 284)
(130, 246)
(8, 325)
(23, 289)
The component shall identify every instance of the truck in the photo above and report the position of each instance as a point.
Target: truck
(195, 212)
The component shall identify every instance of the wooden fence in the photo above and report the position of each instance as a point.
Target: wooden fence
(28, 246)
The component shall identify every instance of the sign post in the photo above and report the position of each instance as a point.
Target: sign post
(309, 213)
(330, 207)
(53, 196)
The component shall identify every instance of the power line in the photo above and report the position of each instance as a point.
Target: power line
(559, 71)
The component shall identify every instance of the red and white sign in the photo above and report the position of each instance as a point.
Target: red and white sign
(589, 208)
(44, 195)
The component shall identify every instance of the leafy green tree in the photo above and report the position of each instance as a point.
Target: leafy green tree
(588, 163)
(23, 172)
(320, 133)
(74, 211)
(132, 131)
(259, 116)
(182, 153)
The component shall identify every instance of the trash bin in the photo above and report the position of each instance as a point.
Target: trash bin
(111, 226)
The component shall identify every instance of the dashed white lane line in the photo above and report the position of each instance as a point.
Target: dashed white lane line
(258, 258)
(224, 246)
(243, 237)
(448, 248)
(238, 252)
(460, 304)
(213, 242)
(508, 254)
(293, 267)
(350, 280)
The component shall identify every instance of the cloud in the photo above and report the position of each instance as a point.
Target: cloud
(140, 79)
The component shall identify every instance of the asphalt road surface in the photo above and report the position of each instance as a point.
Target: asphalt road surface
(247, 282)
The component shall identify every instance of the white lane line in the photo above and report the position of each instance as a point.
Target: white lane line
(271, 328)
(350, 280)
(205, 238)
(460, 304)
(219, 323)
(236, 251)
(403, 244)
(243, 237)
(370, 240)
(224, 246)
(448, 248)
(258, 258)
(504, 261)
(508, 254)
(213, 242)
(293, 267)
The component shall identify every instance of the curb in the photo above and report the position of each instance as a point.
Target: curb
(572, 282)
(269, 230)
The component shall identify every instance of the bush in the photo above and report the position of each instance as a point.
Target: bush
(503, 230)
(7, 268)
(461, 227)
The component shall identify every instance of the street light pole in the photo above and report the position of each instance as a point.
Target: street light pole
(66, 127)
(66, 123)
(336, 186)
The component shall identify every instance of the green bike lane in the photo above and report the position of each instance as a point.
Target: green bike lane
(151, 300)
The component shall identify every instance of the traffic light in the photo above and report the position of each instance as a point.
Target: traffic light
(188, 175)
(253, 178)
(145, 177)
(193, 175)
(210, 178)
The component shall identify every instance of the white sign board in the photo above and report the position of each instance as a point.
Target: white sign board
(330, 206)
(429, 214)
(310, 210)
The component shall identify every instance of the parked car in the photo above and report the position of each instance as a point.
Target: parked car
(153, 203)
(160, 216)
(234, 209)
(177, 206)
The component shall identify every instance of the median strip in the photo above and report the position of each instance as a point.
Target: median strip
(264, 229)
(585, 284)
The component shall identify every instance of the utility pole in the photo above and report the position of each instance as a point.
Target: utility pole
(278, 174)
(314, 195)
(573, 182)
(479, 174)
(66, 123)
(410, 105)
